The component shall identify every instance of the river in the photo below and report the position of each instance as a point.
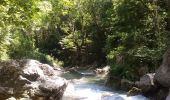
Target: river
(85, 85)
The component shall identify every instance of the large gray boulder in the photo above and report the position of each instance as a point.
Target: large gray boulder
(146, 83)
(144, 86)
(162, 75)
(30, 80)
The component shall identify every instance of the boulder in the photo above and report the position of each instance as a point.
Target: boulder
(146, 83)
(126, 84)
(31, 80)
(143, 70)
(103, 70)
(113, 81)
(162, 75)
(99, 71)
(160, 94)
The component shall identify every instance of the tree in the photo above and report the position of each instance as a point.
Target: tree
(138, 33)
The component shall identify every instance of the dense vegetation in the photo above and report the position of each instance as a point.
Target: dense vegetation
(126, 34)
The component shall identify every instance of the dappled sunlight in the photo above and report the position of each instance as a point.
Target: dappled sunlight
(45, 6)
(92, 44)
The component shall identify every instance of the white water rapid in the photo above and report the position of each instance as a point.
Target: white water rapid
(82, 87)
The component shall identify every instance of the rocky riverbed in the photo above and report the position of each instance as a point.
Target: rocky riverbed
(86, 85)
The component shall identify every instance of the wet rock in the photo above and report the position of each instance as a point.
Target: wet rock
(30, 79)
(146, 83)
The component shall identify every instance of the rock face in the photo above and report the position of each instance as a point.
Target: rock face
(156, 86)
(114, 82)
(162, 75)
(30, 80)
(126, 84)
(146, 83)
(149, 88)
(143, 70)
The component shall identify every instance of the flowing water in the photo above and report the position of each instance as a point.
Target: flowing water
(87, 86)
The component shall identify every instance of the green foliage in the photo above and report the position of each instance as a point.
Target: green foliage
(138, 36)
(20, 20)
(124, 71)
(125, 34)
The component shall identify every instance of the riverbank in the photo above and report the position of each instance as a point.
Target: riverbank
(85, 84)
